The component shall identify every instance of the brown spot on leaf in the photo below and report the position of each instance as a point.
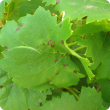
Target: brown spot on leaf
(52, 46)
(65, 65)
(18, 28)
(75, 72)
(62, 56)
(57, 51)
(61, 41)
(57, 1)
(81, 36)
(6, 48)
(60, 25)
(1, 86)
(22, 24)
(55, 61)
(15, 58)
(44, 44)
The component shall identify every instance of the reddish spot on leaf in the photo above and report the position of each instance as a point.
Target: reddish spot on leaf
(60, 25)
(75, 72)
(50, 42)
(52, 46)
(61, 41)
(62, 56)
(22, 24)
(57, 51)
(6, 48)
(18, 28)
(65, 65)
(15, 58)
(55, 61)
(44, 44)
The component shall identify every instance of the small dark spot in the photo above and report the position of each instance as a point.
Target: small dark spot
(92, 35)
(44, 44)
(57, 73)
(51, 30)
(15, 58)
(81, 36)
(65, 65)
(62, 56)
(22, 24)
(50, 81)
(55, 61)
(57, 51)
(6, 48)
(57, 1)
(75, 72)
(60, 25)
(108, 79)
(52, 46)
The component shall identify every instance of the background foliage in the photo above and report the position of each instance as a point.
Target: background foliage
(49, 61)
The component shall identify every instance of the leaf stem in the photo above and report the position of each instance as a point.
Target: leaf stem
(71, 44)
(82, 47)
(69, 89)
(75, 90)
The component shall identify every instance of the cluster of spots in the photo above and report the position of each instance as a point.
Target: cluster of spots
(75, 72)
(52, 43)
(19, 27)
(6, 48)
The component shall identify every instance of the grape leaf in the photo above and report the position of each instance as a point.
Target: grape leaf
(13, 97)
(78, 9)
(105, 89)
(37, 53)
(48, 2)
(8, 1)
(2, 10)
(97, 42)
(20, 8)
(104, 108)
(92, 101)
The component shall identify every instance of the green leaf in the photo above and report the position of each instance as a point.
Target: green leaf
(97, 42)
(37, 53)
(8, 1)
(94, 10)
(2, 10)
(48, 2)
(105, 89)
(89, 100)
(13, 97)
